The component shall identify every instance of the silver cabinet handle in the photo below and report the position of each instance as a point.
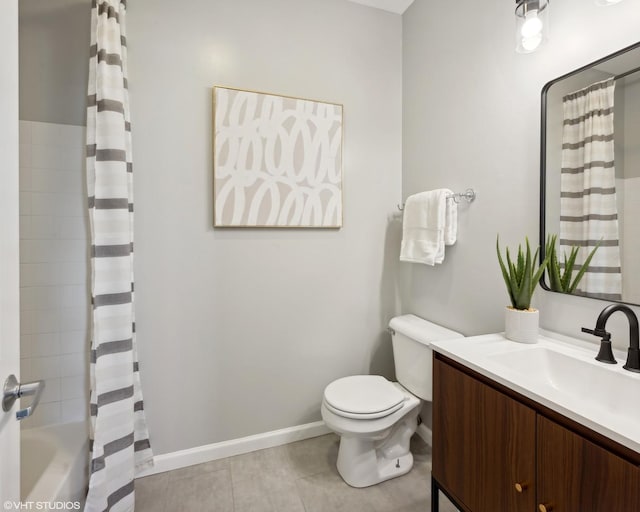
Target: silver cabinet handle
(13, 390)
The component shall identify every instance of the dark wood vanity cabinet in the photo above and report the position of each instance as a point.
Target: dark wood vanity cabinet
(483, 444)
(493, 452)
(575, 474)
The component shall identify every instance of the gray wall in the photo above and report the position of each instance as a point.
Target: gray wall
(472, 118)
(629, 189)
(631, 94)
(241, 330)
(54, 60)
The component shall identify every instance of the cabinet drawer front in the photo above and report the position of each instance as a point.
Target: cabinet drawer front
(575, 475)
(483, 444)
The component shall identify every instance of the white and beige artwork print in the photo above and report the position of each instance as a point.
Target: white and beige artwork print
(277, 161)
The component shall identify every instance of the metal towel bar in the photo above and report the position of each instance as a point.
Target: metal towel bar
(468, 195)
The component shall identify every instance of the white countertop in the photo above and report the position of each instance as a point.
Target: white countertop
(602, 397)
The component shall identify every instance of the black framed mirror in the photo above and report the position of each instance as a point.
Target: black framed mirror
(590, 179)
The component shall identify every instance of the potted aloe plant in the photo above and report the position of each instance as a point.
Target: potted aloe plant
(521, 278)
(561, 276)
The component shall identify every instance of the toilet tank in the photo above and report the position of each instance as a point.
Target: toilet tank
(411, 337)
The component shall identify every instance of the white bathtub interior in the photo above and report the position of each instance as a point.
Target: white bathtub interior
(54, 463)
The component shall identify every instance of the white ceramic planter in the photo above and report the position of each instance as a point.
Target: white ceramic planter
(521, 325)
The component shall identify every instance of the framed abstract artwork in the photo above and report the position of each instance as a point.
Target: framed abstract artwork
(277, 161)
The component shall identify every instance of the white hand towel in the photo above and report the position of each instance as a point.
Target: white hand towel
(450, 220)
(425, 229)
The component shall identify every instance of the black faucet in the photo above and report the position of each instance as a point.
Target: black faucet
(605, 354)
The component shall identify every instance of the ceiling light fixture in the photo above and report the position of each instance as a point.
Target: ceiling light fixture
(607, 2)
(532, 24)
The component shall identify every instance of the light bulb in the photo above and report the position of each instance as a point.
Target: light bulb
(532, 26)
(531, 43)
(607, 2)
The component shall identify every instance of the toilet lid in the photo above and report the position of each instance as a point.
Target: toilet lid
(366, 395)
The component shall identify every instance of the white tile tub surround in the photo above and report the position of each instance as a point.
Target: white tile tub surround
(54, 297)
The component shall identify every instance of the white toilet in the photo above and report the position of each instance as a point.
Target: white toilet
(376, 418)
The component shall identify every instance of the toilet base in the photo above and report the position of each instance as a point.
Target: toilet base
(363, 462)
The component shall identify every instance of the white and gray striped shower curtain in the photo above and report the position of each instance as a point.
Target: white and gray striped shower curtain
(119, 437)
(588, 209)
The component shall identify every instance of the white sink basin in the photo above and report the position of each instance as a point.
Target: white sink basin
(562, 374)
(601, 384)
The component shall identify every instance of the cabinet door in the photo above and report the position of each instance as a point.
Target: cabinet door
(575, 475)
(483, 444)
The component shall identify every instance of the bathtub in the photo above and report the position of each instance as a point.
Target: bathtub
(54, 463)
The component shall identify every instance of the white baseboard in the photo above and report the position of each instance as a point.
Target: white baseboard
(209, 452)
(425, 433)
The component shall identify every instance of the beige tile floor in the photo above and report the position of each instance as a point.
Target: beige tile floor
(297, 477)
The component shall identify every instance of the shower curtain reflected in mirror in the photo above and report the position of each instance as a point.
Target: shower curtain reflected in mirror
(588, 207)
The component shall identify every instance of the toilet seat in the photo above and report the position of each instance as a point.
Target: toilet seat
(363, 397)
